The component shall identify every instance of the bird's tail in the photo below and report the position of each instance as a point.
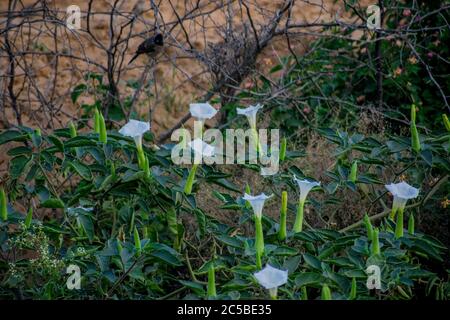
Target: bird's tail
(132, 59)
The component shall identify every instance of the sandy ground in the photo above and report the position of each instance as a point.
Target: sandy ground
(177, 77)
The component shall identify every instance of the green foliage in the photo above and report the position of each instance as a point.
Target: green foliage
(122, 226)
(134, 222)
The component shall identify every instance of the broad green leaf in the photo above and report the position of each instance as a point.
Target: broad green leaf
(52, 203)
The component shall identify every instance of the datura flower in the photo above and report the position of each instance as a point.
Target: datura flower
(202, 111)
(402, 192)
(271, 278)
(305, 187)
(136, 129)
(201, 149)
(250, 112)
(257, 203)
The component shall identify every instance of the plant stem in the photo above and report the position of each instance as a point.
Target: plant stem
(283, 214)
(273, 292)
(259, 241)
(392, 214)
(399, 224)
(256, 137)
(298, 225)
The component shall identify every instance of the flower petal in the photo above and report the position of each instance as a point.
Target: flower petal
(271, 277)
(134, 128)
(201, 147)
(202, 110)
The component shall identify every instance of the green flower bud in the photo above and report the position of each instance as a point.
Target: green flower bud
(353, 171)
(368, 225)
(119, 246)
(415, 141)
(137, 241)
(352, 295)
(283, 149)
(375, 247)
(113, 169)
(103, 136)
(446, 122)
(3, 205)
(304, 293)
(283, 214)
(145, 232)
(411, 224)
(29, 217)
(326, 293)
(96, 121)
(211, 289)
(413, 113)
(190, 180)
(72, 129)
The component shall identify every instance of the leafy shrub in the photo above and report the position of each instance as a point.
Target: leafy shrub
(121, 223)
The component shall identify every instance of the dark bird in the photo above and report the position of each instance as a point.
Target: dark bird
(151, 46)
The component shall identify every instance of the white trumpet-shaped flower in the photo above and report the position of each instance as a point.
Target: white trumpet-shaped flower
(305, 187)
(271, 278)
(257, 202)
(201, 148)
(135, 129)
(250, 112)
(202, 111)
(402, 192)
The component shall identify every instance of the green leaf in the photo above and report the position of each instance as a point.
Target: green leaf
(18, 165)
(427, 156)
(201, 220)
(87, 224)
(292, 263)
(194, 286)
(233, 242)
(77, 91)
(312, 261)
(167, 257)
(278, 67)
(309, 278)
(79, 141)
(82, 169)
(226, 184)
(57, 143)
(52, 203)
(19, 151)
(12, 135)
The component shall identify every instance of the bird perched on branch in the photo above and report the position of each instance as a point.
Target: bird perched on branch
(151, 46)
